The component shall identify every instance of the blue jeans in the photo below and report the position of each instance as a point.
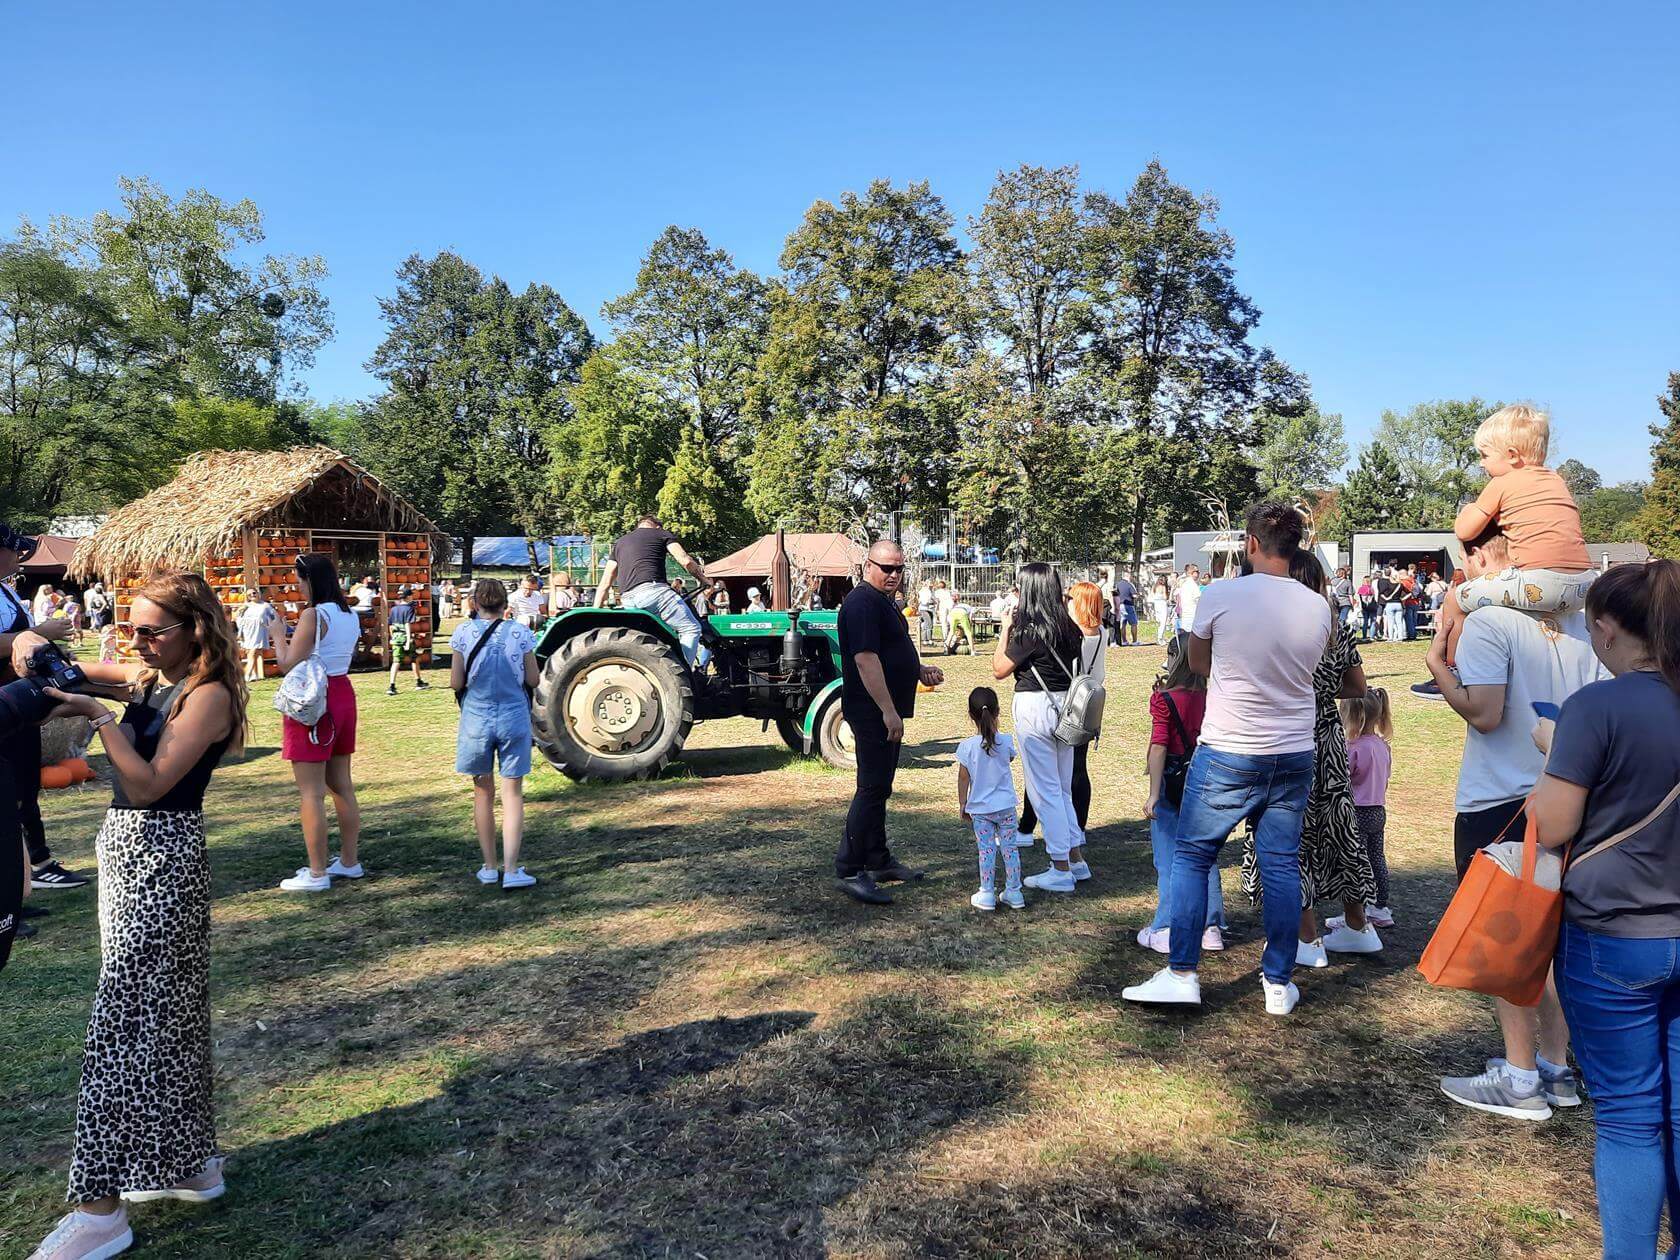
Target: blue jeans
(1410, 613)
(1621, 997)
(671, 608)
(1163, 835)
(1394, 623)
(1221, 790)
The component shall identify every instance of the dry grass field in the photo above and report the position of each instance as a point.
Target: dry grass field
(685, 1043)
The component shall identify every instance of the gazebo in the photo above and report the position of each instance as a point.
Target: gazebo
(831, 563)
(242, 517)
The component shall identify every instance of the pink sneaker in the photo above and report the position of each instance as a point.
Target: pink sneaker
(84, 1236)
(1213, 938)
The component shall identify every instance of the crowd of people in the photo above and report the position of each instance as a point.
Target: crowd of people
(1263, 726)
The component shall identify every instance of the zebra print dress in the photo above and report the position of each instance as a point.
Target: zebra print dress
(1334, 862)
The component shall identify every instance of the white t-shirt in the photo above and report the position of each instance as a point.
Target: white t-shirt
(1505, 647)
(361, 598)
(529, 604)
(1268, 636)
(1000, 605)
(991, 787)
(1188, 598)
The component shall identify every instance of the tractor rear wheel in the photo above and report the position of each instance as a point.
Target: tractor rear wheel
(612, 704)
(833, 737)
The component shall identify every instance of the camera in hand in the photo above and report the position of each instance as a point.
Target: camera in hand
(25, 702)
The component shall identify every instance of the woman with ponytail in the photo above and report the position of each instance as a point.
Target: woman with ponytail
(1611, 798)
(145, 1123)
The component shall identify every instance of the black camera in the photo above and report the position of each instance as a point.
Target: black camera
(25, 702)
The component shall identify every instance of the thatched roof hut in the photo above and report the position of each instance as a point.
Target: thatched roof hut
(218, 495)
(241, 517)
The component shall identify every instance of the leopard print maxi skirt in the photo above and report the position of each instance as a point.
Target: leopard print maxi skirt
(144, 1117)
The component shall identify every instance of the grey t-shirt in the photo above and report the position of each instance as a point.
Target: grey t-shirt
(1621, 741)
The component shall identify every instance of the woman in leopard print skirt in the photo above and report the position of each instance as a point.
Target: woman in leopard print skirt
(145, 1121)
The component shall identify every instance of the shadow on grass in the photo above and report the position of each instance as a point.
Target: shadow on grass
(719, 1137)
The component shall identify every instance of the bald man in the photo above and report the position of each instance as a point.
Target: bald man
(879, 670)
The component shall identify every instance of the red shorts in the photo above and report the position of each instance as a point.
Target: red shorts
(334, 734)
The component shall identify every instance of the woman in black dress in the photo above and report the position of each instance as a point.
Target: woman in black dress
(148, 1039)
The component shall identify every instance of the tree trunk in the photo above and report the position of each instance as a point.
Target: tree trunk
(1137, 535)
(466, 557)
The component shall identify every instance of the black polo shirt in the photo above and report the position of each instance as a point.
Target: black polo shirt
(870, 622)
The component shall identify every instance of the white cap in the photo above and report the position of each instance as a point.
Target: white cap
(753, 592)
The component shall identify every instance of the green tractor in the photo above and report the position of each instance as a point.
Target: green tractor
(616, 699)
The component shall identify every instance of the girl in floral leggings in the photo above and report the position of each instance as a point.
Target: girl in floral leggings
(986, 799)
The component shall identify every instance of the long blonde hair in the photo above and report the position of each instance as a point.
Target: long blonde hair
(1368, 715)
(215, 656)
(1176, 674)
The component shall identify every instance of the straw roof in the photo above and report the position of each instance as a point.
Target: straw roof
(217, 495)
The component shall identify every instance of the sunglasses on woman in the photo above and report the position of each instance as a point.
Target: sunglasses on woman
(151, 634)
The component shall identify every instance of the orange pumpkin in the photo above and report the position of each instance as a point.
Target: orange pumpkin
(80, 771)
(56, 777)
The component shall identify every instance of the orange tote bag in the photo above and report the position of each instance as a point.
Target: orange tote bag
(1499, 932)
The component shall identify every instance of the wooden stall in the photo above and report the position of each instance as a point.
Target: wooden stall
(242, 518)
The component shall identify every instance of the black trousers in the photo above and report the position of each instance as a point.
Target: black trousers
(20, 778)
(1081, 795)
(863, 845)
(1482, 827)
(11, 874)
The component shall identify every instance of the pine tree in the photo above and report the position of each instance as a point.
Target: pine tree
(1659, 520)
(1376, 496)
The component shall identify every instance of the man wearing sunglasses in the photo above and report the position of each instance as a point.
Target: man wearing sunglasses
(879, 670)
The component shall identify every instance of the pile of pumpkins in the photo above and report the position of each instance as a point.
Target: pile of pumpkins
(64, 773)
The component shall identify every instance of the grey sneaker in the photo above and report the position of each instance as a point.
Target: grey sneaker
(1493, 1092)
(1561, 1090)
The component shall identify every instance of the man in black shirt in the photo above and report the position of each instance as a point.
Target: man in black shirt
(879, 671)
(638, 567)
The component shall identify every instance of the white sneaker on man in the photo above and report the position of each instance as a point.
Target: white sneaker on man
(489, 875)
(1156, 939)
(1311, 954)
(82, 1235)
(1051, 880)
(518, 878)
(1344, 940)
(1213, 938)
(338, 870)
(1280, 998)
(1081, 871)
(303, 881)
(1168, 988)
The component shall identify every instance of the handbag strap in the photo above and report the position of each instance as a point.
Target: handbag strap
(1178, 724)
(483, 641)
(1629, 832)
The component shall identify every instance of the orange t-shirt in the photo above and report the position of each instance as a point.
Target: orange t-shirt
(1538, 516)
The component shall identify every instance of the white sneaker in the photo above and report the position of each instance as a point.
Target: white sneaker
(1376, 916)
(1157, 939)
(518, 878)
(1213, 938)
(1025, 839)
(1051, 880)
(1311, 954)
(303, 881)
(488, 875)
(1166, 986)
(984, 900)
(203, 1188)
(1081, 870)
(338, 870)
(1344, 940)
(1014, 898)
(83, 1236)
(1280, 998)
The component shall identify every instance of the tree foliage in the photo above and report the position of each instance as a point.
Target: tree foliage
(1299, 454)
(612, 457)
(1377, 494)
(1658, 521)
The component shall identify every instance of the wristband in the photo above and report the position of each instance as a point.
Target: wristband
(104, 719)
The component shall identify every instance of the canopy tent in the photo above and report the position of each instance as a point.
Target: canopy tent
(52, 556)
(833, 562)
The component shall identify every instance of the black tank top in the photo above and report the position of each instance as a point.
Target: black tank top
(145, 719)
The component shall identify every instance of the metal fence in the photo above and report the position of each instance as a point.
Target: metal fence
(946, 546)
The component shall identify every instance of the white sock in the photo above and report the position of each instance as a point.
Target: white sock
(1547, 1067)
(1526, 1080)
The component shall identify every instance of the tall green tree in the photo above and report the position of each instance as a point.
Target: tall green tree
(475, 377)
(694, 325)
(1581, 480)
(1659, 520)
(85, 395)
(699, 502)
(186, 274)
(1377, 494)
(613, 456)
(1299, 454)
(1611, 513)
(1172, 359)
(855, 400)
(1433, 445)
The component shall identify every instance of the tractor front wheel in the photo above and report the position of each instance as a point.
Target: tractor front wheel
(792, 733)
(612, 704)
(834, 741)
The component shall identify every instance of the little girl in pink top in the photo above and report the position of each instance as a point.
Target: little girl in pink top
(1369, 728)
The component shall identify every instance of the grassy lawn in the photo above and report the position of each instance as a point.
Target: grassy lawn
(684, 1043)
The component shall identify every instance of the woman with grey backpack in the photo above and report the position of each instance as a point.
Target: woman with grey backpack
(1041, 647)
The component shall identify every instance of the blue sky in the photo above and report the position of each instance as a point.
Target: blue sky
(1428, 200)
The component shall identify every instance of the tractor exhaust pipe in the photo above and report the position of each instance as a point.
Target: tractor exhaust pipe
(781, 576)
